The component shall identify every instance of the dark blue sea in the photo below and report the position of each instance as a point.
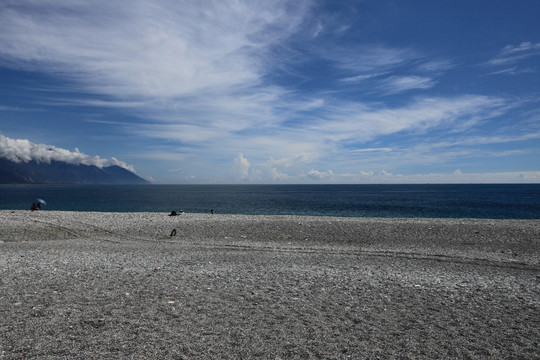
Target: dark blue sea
(514, 201)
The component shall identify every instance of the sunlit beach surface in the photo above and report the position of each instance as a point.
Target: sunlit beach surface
(149, 285)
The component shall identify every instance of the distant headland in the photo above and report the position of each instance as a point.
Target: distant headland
(58, 172)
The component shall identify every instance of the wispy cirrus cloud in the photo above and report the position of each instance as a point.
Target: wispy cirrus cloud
(159, 49)
(511, 54)
(436, 66)
(397, 84)
(368, 59)
(363, 77)
(288, 86)
(513, 71)
(493, 139)
(379, 70)
(278, 151)
(372, 150)
(364, 122)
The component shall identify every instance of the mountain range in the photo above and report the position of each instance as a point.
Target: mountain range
(57, 172)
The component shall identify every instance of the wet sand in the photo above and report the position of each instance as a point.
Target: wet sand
(117, 285)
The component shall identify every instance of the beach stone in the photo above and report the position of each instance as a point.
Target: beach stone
(114, 285)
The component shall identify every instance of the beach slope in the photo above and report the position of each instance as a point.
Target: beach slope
(148, 285)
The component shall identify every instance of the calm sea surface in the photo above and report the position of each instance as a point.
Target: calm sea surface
(449, 201)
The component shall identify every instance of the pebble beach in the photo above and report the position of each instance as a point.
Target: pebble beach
(88, 285)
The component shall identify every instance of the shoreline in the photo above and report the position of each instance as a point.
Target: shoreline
(495, 239)
(109, 285)
(205, 212)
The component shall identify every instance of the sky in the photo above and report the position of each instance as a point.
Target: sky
(303, 91)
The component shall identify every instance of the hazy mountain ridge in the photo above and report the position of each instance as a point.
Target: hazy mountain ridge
(57, 172)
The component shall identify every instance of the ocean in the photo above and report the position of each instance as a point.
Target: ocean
(489, 201)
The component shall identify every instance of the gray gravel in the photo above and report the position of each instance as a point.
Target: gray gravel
(116, 285)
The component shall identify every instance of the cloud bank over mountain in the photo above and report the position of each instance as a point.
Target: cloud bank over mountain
(23, 150)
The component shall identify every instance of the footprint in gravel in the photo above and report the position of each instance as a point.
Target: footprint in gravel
(95, 323)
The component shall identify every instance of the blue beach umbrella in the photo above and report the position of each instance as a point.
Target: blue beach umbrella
(41, 201)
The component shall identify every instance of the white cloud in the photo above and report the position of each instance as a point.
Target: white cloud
(513, 71)
(372, 150)
(318, 29)
(360, 123)
(197, 76)
(320, 174)
(186, 133)
(484, 140)
(386, 177)
(241, 166)
(368, 59)
(523, 48)
(363, 77)
(155, 49)
(279, 176)
(512, 54)
(397, 84)
(299, 159)
(462, 177)
(436, 66)
(22, 150)
(335, 135)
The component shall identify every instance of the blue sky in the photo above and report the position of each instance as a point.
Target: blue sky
(276, 91)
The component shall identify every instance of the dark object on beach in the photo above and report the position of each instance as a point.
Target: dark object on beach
(35, 207)
(173, 213)
(173, 233)
(212, 211)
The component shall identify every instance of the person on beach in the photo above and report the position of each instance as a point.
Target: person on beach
(34, 207)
